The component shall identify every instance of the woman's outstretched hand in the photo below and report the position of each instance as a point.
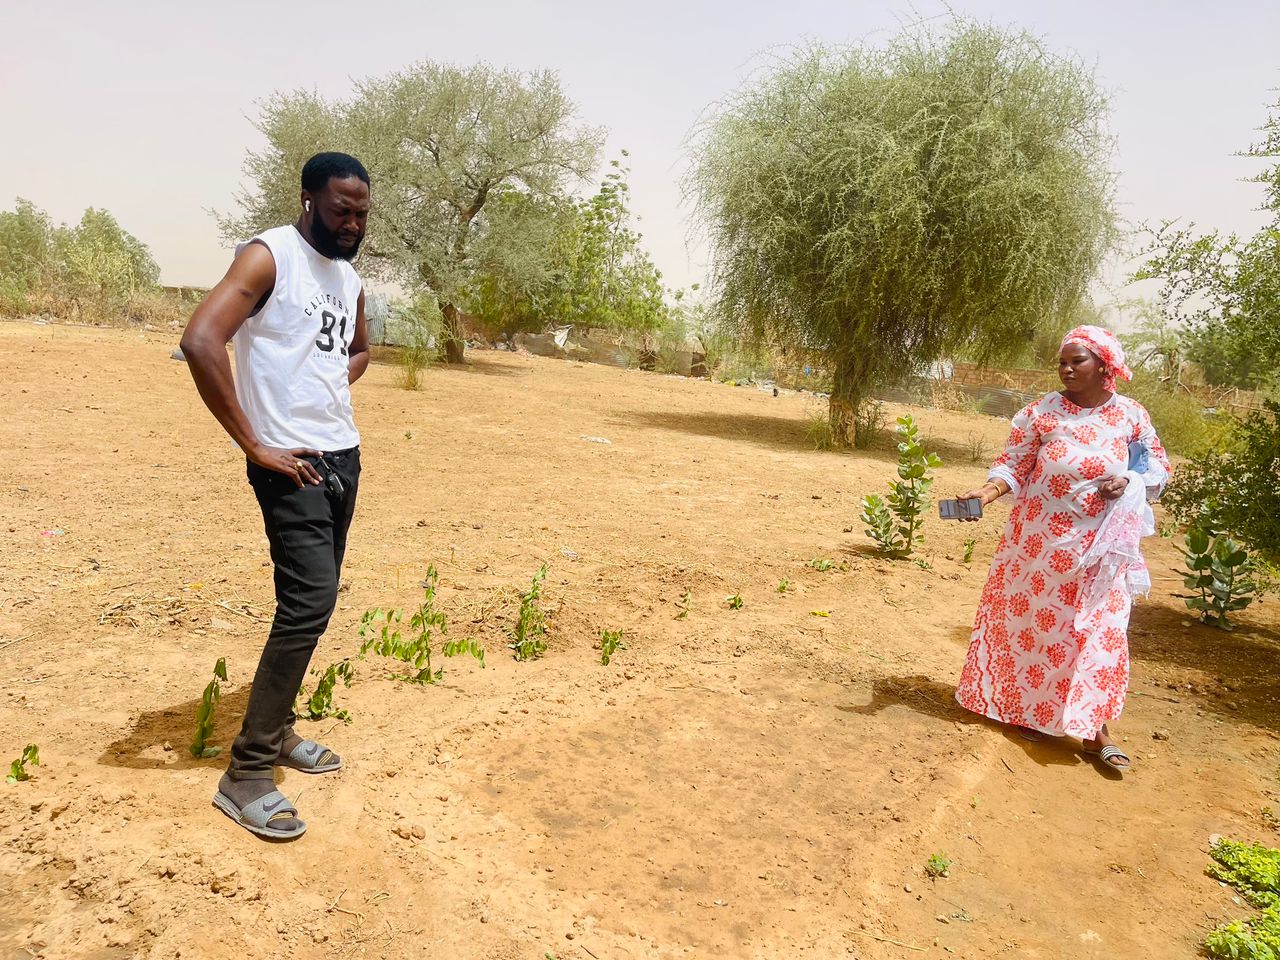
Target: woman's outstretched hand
(984, 494)
(987, 495)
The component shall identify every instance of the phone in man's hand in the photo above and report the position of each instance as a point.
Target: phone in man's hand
(960, 509)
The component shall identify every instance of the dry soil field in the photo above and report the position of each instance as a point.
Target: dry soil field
(753, 783)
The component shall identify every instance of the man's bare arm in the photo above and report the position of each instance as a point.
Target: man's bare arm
(248, 282)
(358, 361)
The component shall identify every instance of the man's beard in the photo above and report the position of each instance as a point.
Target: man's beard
(326, 241)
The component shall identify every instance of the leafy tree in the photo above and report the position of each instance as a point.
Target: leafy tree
(518, 262)
(100, 260)
(570, 261)
(26, 253)
(1226, 288)
(610, 281)
(441, 143)
(95, 264)
(946, 194)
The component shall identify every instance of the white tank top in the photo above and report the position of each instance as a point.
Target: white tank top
(291, 356)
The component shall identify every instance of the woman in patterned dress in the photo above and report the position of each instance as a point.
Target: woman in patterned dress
(1040, 658)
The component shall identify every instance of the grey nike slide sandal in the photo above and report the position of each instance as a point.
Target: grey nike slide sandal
(311, 757)
(258, 816)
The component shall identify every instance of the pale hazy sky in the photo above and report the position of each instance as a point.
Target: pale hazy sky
(143, 107)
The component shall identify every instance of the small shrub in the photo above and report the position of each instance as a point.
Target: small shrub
(200, 748)
(529, 635)
(979, 452)
(818, 430)
(380, 632)
(416, 327)
(868, 423)
(939, 865)
(1218, 570)
(610, 643)
(945, 395)
(18, 769)
(895, 525)
(318, 704)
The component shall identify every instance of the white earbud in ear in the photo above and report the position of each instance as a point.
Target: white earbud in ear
(307, 206)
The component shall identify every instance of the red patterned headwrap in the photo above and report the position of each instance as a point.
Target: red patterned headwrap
(1104, 345)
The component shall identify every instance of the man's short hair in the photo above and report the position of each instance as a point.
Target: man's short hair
(323, 167)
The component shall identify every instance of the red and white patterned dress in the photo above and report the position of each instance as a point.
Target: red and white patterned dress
(1032, 661)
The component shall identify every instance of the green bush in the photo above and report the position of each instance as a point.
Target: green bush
(94, 271)
(1236, 491)
(1180, 419)
(1254, 870)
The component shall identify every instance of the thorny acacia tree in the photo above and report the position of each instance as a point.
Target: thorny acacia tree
(947, 193)
(441, 143)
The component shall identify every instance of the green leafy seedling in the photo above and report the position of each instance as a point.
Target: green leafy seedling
(939, 865)
(610, 643)
(200, 748)
(734, 600)
(529, 635)
(381, 632)
(968, 550)
(895, 524)
(319, 703)
(18, 769)
(784, 585)
(822, 564)
(686, 604)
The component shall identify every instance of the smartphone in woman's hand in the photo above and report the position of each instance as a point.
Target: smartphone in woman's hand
(960, 509)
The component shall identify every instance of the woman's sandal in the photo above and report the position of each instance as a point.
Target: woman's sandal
(311, 757)
(258, 816)
(1112, 756)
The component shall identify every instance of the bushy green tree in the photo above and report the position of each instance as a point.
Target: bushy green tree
(563, 260)
(95, 265)
(609, 279)
(26, 253)
(440, 142)
(1226, 289)
(1236, 491)
(947, 193)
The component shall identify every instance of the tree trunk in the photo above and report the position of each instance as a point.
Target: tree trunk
(849, 389)
(455, 339)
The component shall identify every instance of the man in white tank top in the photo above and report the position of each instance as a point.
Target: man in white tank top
(293, 308)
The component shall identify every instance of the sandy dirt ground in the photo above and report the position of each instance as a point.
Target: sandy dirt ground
(755, 783)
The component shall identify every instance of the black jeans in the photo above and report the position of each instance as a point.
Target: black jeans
(307, 528)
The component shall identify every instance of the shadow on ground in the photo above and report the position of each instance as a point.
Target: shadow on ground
(919, 693)
(143, 748)
(1235, 674)
(783, 433)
